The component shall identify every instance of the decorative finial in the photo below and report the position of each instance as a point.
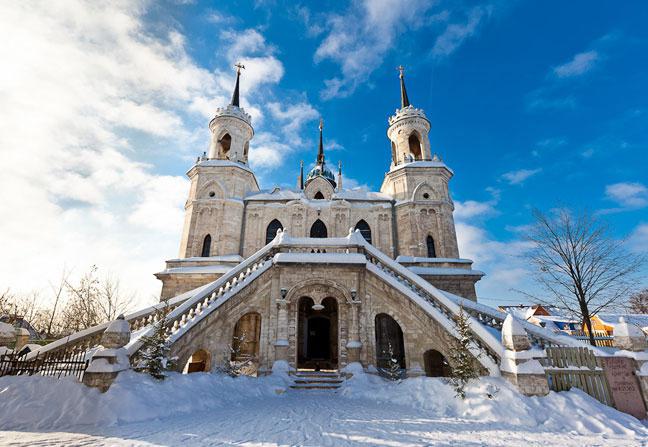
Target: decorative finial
(404, 99)
(321, 124)
(235, 96)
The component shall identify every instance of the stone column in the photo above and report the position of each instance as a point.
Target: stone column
(630, 338)
(518, 365)
(7, 334)
(354, 344)
(281, 343)
(111, 358)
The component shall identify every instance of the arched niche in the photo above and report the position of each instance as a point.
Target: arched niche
(436, 365)
(200, 361)
(414, 142)
(431, 249)
(225, 143)
(206, 246)
(246, 337)
(389, 337)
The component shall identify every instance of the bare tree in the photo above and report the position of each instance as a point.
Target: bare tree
(638, 302)
(58, 293)
(112, 301)
(579, 265)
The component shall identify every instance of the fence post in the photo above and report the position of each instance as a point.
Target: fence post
(518, 365)
(111, 358)
(629, 337)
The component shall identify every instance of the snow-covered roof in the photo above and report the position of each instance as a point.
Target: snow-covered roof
(213, 162)
(223, 258)
(640, 320)
(421, 164)
(220, 268)
(444, 271)
(432, 260)
(285, 194)
(320, 258)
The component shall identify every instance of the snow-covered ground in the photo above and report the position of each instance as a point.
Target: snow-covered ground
(209, 409)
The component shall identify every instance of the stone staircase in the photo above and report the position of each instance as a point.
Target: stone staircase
(317, 380)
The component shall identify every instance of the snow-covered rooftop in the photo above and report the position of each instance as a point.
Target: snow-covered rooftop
(640, 320)
(285, 194)
(421, 164)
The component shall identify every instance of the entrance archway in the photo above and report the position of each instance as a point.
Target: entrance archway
(389, 341)
(317, 334)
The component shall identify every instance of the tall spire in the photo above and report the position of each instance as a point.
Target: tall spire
(320, 150)
(404, 99)
(235, 96)
(300, 179)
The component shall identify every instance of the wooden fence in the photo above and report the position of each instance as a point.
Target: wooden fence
(601, 338)
(568, 368)
(54, 365)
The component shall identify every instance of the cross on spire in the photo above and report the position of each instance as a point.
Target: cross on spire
(404, 99)
(235, 96)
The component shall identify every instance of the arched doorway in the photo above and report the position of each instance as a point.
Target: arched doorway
(317, 334)
(389, 337)
(415, 146)
(198, 362)
(436, 364)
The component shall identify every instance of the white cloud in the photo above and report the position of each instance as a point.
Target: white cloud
(520, 176)
(580, 64)
(94, 107)
(472, 208)
(629, 195)
(456, 33)
(638, 240)
(359, 39)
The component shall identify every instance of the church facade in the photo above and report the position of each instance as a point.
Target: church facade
(320, 305)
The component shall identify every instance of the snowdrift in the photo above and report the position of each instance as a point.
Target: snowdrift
(42, 403)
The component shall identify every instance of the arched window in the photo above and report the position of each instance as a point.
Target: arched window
(246, 149)
(206, 247)
(319, 195)
(436, 364)
(389, 341)
(431, 252)
(272, 229)
(318, 229)
(393, 147)
(365, 231)
(415, 146)
(245, 340)
(225, 143)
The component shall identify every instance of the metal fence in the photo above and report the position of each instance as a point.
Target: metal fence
(54, 365)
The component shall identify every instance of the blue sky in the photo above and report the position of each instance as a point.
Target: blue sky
(532, 104)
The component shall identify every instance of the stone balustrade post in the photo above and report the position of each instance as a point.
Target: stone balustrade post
(630, 338)
(111, 358)
(518, 365)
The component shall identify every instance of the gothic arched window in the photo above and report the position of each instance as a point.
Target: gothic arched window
(318, 229)
(225, 143)
(272, 229)
(415, 146)
(393, 147)
(365, 230)
(431, 252)
(319, 195)
(206, 247)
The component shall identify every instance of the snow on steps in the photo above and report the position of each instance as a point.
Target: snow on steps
(316, 380)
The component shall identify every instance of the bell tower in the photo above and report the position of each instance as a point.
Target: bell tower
(418, 182)
(219, 182)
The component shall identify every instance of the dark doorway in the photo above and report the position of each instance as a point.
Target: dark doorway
(318, 334)
(436, 364)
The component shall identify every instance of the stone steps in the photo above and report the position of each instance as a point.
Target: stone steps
(317, 380)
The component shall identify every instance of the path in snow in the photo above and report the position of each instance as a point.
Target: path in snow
(310, 418)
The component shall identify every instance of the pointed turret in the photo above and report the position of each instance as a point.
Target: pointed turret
(235, 95)
(339, 178)
(300, 179)
(320, 169)
(404, 99)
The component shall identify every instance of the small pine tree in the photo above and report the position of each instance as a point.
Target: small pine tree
(462, 360)
(393, 369)
(153, 355)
